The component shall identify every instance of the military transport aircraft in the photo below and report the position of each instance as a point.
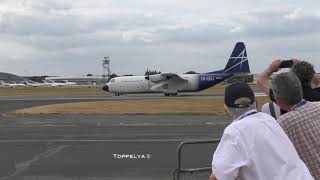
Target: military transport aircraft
(171, 83)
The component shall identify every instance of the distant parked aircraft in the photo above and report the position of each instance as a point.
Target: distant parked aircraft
(37, 84)
(171, 83)
(60, 84)
(68, 83)
(4, 84)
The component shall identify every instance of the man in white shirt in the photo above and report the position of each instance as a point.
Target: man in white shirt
(254, 146)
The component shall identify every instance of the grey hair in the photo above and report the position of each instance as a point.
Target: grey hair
(304, 71)
(235, 113)
(287, 87)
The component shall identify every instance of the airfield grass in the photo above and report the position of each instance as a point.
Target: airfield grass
(65, 91)
(190, 106)
(220, 88)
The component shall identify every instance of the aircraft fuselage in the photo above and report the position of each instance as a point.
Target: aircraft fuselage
(139, 84)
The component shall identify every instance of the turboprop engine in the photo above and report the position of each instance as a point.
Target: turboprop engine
(156, 78)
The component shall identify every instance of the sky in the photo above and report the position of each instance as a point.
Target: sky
(68, 37)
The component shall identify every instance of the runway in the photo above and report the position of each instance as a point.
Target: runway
(88, 151)
(87, 147)
(109, 97)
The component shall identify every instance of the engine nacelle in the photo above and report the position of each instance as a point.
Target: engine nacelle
(155, 78)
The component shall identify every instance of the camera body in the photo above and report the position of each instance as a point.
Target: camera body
(286, 64)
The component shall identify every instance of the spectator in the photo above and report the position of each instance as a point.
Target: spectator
(264, 84)
(302, 122)
(309, 80)
(305, 72)
(254, 146)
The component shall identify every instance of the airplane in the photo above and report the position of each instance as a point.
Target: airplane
(37, 84)
(70, 83)
(170, 83)
(4, 84)
(60, 84)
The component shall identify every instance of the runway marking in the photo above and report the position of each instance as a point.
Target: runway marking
(21, 167)
(98, 140)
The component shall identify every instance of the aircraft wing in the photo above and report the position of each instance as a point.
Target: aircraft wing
(163, 80)
(165, 77)
(169, 76)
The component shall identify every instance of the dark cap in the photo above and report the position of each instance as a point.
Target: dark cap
(239, 95)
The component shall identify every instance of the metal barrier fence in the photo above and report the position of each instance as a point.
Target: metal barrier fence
(181, 172)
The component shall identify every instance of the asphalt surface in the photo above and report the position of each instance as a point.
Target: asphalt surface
(58, 146)
(10, 103)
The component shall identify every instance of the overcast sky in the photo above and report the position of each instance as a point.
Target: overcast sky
(70, 37)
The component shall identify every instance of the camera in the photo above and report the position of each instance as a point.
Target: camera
(286, 64)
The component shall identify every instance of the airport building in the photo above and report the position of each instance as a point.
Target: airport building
(11, 78)
(80, 80)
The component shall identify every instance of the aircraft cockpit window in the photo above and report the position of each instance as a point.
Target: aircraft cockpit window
(112, 80)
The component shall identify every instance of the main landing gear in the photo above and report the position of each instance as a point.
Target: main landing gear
(170, 94)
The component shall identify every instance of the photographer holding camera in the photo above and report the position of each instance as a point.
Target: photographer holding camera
(303, 70)
(310, 81)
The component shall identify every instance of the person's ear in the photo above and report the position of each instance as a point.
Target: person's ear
(226, 109)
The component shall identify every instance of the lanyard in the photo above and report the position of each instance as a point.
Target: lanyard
(249, 114)
(299, 104)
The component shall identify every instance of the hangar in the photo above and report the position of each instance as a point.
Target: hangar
(81, 80)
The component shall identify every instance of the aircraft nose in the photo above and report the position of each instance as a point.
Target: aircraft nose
(105, 88)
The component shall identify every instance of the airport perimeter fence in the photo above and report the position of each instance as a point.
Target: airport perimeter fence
(182, 173)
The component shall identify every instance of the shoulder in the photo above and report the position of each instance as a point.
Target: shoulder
(311, 94)
(232, 129)
(293, 117)
(265, 108)
(246, 124)
(288, 119)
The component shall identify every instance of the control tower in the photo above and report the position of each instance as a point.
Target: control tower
(106, 68)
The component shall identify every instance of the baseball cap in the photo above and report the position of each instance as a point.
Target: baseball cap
(239, 95)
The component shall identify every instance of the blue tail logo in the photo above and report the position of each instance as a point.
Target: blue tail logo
(238, 61)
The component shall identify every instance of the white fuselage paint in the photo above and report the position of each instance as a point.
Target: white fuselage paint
(138, 84)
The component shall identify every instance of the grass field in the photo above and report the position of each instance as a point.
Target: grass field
(211, 106)
(162, 106)
(221, 88)
(78, 91)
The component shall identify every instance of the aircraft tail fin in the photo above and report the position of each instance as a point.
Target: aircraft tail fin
(2, 83)
(238, 61)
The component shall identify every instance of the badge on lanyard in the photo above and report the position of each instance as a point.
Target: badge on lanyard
(249, 114)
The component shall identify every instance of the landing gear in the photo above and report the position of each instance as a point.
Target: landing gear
(170, 94)
(117, 94)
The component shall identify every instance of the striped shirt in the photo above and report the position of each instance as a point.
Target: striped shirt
(302, 126)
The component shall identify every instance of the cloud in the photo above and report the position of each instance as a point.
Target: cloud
(164, 34)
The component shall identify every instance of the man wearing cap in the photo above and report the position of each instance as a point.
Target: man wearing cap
(254, 146)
